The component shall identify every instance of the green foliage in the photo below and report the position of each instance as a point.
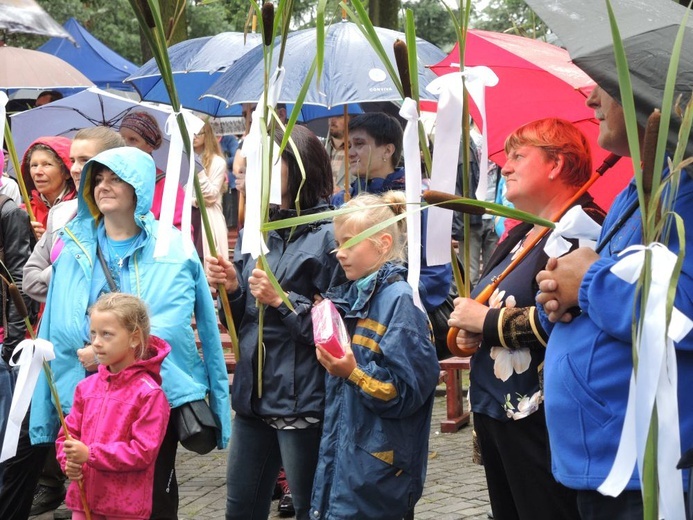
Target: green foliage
(210, 18)
(510, 16)
(432, 23)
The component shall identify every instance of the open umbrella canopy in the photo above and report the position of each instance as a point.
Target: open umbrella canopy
(648, 29)
(105, 67)
(24, 68)
(26, 16)
(535, 80)
(196, 65)
(91, 107)
(352, 72)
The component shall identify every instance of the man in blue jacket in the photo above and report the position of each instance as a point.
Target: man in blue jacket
(589, 357)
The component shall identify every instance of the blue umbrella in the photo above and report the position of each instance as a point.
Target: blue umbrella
(106, 68)
(352, 72)
(196, 64)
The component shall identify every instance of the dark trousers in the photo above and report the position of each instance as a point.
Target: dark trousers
(21, 476)
(595, 506)
(165, 496)
(518, 470)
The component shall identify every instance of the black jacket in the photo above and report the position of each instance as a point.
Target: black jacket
(18, 241)
(293, 380)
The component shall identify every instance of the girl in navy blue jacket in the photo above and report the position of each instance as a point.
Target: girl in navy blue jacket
(379, 396)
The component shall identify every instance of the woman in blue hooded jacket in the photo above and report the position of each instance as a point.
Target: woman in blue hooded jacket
(114, 216)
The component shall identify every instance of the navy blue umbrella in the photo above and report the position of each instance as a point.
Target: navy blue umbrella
(196, 65)
(352, 72)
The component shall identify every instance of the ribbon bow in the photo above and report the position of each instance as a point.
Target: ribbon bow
(575, 224)
(448, 135)
(412, 189)
(32, 353)
(654, 381)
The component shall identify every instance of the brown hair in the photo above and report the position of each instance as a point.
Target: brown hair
(131, 312)
(211, 145)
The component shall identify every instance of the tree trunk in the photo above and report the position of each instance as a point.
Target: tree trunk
(384, 13)
(174, 34)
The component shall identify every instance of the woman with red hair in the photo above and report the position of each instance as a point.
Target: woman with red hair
(548, 161)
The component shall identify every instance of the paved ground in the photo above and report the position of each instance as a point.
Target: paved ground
(455, 487)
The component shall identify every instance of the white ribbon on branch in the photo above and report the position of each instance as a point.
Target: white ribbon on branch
(654, 381)
(575, 224)
(193, 125)
(31, 355)
(449, 88)
(412, 169)
(253, 145)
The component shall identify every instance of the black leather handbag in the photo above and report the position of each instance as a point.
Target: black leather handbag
(197, 429)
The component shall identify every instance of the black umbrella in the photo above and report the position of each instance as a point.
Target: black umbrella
(648, 29)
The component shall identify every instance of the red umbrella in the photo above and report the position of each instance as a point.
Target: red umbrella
(535, 80)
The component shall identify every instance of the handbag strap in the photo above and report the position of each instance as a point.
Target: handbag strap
(106, 271)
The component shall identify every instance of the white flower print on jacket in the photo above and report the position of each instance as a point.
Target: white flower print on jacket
(507, 361)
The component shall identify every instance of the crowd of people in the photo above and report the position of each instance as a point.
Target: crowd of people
(551, 354)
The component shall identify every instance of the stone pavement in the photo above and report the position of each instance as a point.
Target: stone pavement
(455, 487)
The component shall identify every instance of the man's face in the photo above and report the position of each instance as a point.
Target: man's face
(612, 125)
(337, 127)
(43, 100)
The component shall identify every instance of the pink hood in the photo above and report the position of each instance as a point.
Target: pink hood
(60, 145)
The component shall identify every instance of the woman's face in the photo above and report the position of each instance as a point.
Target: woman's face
(47, 173)
(199, 142)
(527, 172)
(113, 196)
(368, 159)
(80, 152)
(132, 138)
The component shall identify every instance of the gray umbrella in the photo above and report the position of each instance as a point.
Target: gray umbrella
(648, 29)
(26, 16)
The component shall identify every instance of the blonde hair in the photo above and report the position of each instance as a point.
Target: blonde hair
(211, 146)
(106, 137)
(131, 312)
(376, 209)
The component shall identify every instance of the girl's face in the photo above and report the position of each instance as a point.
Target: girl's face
(80, 152)
(114, 345)
(364, 258)
(132, 138)
(113, 196)
(47, 173)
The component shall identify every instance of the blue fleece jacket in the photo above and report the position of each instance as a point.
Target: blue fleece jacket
(589, 361)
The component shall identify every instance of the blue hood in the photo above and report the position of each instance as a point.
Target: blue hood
(130, 164)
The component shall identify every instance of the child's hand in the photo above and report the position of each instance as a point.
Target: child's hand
(76, 451)
(73, 470)
(335, 366)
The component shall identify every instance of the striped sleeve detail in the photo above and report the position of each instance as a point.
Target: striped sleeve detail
(373, 387)
(535, 328)
(368, 343)
(373, 325)
(500, 328)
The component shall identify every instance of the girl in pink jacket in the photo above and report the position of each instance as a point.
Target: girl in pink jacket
(119, 416)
